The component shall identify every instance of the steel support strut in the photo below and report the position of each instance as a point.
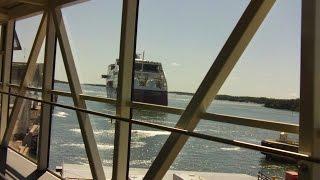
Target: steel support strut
(7, 38)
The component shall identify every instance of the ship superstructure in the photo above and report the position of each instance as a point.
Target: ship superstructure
(150, 85)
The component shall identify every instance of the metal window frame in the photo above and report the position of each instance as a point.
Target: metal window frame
(237, 42)
(309, 140)
(19, 103)
(196, 110)
(47, 86)
(7, 40)
(75, 87)
(122, 139)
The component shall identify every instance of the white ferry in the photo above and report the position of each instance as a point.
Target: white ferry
(150, 84)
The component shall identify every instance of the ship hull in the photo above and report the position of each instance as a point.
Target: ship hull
(144, 95)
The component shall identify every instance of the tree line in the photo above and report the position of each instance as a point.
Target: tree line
(285, 104)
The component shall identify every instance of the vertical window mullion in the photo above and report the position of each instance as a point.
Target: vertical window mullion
(125, 89)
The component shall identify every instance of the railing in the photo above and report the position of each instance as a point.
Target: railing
(250, 122)
(52, 28)
(242, 144)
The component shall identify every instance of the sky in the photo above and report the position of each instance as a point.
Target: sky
(185, 36)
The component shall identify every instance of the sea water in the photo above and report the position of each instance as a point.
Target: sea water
(197, 155)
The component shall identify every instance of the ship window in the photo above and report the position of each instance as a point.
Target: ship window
(137, 66)
(150, 68)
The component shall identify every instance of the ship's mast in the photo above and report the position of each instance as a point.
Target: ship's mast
(143, 55)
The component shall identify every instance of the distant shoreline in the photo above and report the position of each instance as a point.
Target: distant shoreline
(87, 84)
(284, 104)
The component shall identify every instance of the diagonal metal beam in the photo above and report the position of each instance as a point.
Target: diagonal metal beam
(19, 103)
(7, 38)
(237, 42)
(75, 88)
(47, 87)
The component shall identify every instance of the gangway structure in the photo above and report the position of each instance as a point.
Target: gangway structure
(52, 29)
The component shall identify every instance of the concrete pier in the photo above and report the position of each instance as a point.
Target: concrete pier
(83, 172)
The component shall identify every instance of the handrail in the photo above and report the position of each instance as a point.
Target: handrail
(242, 144)
(243, 121)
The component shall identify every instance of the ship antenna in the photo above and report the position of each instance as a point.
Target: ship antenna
(143, 55)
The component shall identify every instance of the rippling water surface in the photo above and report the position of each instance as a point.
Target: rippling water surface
(197, 155)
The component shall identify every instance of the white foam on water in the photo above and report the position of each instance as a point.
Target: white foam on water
(105, 146)
(60, 114)
(137, 144)
(231, 149)
(107, 161)
(75, 130)
(97, 132)
(140, 162)
(110, 131)
(91, 91)
(139, 133)
(82, 163)
(81, 145)
(143, 133)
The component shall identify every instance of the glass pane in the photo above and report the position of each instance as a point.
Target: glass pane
(209, 159)
(67, 153)
(267, 74)
(26, 131)
(104, 134)
(95, 47)
(101, 107)
(67, 148)
(145, 145)
(175, 48)
(25, 135)
(92, 55)
(60, 76)
(156, 117)
(253, 110)
(26, 30)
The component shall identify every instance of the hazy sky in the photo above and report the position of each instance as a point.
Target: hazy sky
(185, 36)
